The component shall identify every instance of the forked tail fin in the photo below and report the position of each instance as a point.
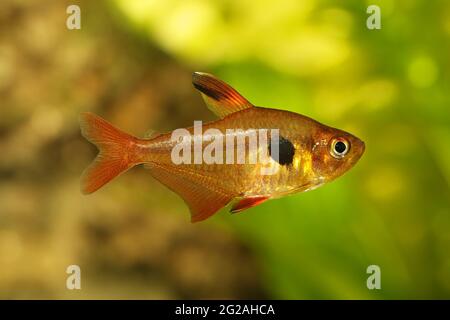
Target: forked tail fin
(118, 152)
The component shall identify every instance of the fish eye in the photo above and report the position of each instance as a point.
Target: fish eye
(339, 148)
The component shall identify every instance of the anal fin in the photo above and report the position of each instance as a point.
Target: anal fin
(247, 203)
(203, 199)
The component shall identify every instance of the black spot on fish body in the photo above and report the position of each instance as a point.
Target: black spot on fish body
(286, 151)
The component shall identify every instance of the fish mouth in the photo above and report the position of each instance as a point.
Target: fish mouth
(361, 147)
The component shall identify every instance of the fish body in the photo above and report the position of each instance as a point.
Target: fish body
(308, 153)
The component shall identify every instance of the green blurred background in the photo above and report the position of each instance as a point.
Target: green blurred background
(131, 62)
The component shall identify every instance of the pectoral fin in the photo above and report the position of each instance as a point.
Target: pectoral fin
(246, 203)
(220, 97)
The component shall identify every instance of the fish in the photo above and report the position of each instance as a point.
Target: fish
(304, 154)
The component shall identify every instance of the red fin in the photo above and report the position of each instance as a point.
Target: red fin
(247, 203)
(203, 201)
(221, 98)
(117, 152)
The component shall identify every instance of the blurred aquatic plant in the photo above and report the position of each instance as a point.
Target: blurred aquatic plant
(205, 32)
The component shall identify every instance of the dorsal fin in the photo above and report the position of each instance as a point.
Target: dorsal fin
(203, 201)
(220, 97)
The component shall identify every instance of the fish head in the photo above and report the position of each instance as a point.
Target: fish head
(334, 152)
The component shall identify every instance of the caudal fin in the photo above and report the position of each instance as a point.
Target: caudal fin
(118, 152)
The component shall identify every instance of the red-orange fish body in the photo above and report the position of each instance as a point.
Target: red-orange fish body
(205, 170)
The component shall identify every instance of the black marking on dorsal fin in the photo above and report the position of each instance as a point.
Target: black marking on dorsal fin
(210, 92)
(286, 151)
